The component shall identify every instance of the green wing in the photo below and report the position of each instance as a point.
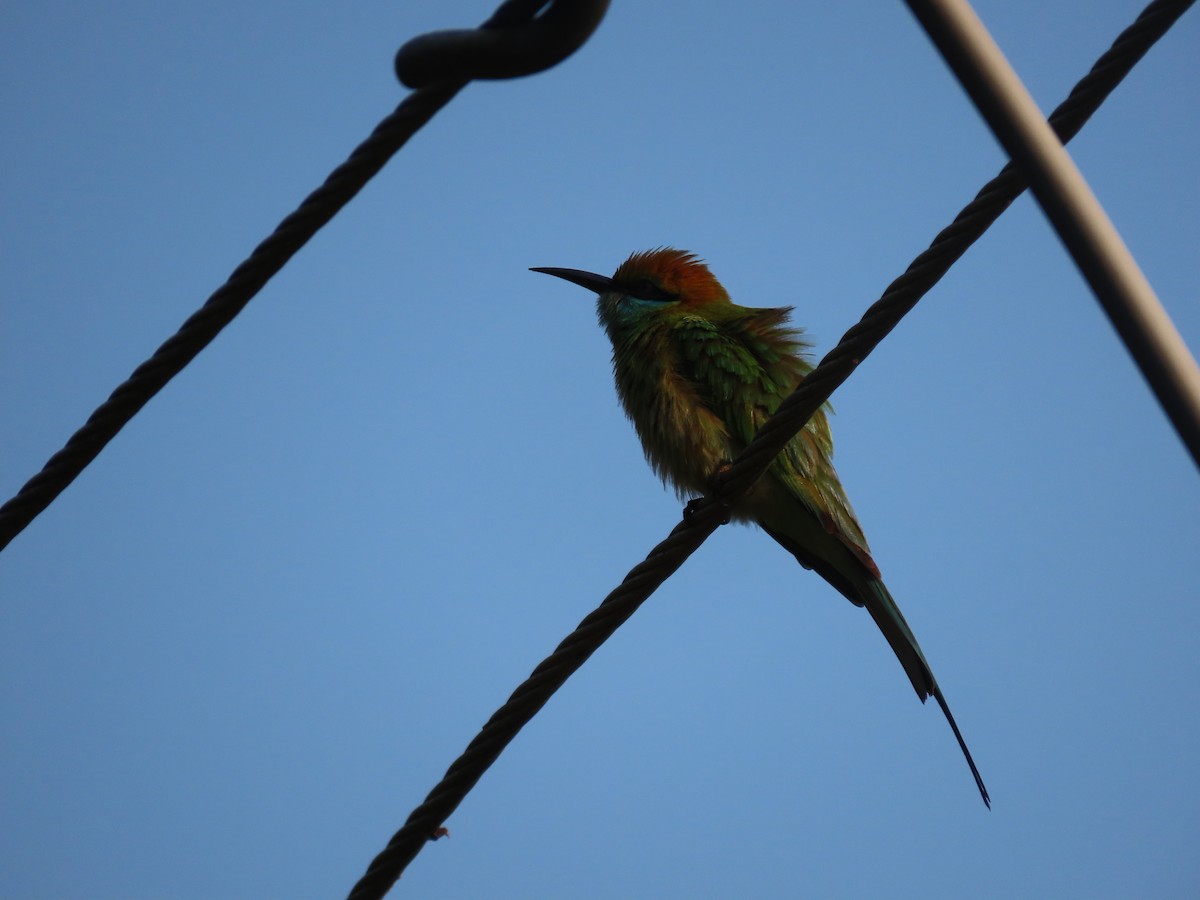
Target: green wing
(743, 367)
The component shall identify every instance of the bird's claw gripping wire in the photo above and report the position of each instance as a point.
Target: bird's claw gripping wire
(508, 45)
(715, 497)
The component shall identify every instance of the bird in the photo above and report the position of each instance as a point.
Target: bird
(698, 375)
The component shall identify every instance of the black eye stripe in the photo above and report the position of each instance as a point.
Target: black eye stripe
(645, 289)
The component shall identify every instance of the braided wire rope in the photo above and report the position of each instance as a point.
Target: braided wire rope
(1085, 229)
(950, 244)
(219, 310)
(704, 516)
(506, 48)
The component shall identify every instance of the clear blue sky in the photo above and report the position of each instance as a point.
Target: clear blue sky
(250, 638)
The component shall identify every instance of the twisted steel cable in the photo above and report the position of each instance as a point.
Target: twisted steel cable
(704, 516)
(219, 310)
(503, 45)
(950, 244)
(1116, 280)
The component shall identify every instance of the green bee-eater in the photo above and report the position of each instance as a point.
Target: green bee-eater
(698, 375)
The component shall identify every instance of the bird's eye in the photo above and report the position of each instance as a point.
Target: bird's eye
(645, 289)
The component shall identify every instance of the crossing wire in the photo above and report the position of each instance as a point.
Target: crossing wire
(500, 48)
(704, 516)
(1123, 291)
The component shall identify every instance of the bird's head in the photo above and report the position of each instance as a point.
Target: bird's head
(647, 285)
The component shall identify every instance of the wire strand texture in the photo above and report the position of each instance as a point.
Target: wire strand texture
(703, 517)
(505, 51)
(1083, 226)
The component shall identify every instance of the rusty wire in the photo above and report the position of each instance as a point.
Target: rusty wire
(704, 516)
(507, 53)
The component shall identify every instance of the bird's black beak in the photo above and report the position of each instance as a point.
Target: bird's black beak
(589, 280)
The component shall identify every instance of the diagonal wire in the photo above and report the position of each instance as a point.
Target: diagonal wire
(220, 309)
(507, 48)
(953, 241)
(1083, 226)
(704, 516)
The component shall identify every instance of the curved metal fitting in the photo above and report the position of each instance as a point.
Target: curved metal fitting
(500, 48)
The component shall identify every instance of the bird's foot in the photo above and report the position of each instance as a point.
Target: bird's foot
(713, 497)
(697, 503)
(716, 488)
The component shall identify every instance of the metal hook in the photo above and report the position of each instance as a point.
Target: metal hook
(508, 45)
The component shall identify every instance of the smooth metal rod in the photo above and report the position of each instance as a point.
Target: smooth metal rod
(1068, 202)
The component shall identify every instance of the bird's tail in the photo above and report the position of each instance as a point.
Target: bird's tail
(883, 609)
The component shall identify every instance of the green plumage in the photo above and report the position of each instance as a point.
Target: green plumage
(698, 376)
